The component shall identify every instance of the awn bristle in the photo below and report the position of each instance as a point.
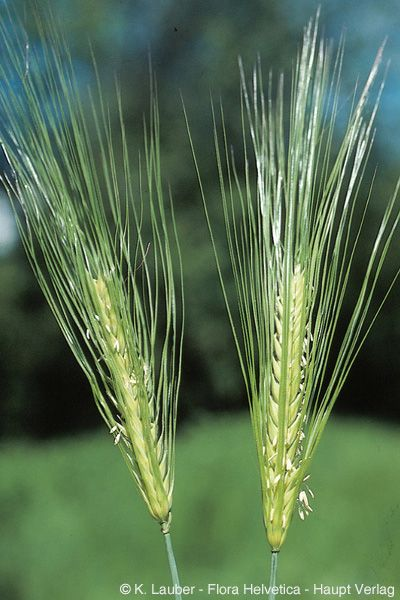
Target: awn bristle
(134, 400)
(285, 417)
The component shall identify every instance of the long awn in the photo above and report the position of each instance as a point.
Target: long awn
(294, 214)
(101, 239)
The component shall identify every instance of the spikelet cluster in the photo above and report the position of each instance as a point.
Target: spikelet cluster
(87, 226)
(290, 201)
(286, 418)
(135, 428)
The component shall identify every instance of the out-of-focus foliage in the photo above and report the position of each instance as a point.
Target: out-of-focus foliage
(69, 531)
(194, 48)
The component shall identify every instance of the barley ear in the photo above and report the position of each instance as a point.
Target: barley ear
(285, 417)
(102, 240)
(290, 202)
(138, 430)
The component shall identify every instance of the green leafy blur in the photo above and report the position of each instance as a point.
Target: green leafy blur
(75, 527)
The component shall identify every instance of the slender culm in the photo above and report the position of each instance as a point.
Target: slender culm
(272, 578)
(172, 566)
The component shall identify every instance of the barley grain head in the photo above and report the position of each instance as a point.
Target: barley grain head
(101, 246)
(289, 205)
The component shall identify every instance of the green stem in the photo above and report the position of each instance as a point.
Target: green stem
(172, 565)
(272, 578)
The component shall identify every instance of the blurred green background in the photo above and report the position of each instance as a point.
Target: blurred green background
(72, 525)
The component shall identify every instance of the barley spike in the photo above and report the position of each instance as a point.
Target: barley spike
(281, 470)
(135, 401)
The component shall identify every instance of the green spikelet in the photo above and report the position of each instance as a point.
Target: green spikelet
(285, 418)
(134, 400)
